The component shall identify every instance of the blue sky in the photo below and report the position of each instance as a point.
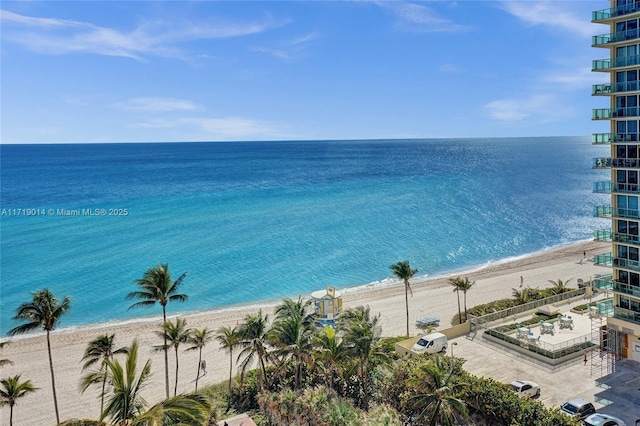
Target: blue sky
(138, 71)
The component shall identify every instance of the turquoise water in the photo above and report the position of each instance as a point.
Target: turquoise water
(255, 221)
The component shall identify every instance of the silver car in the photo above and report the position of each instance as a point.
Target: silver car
(599, 419)
(526, 388)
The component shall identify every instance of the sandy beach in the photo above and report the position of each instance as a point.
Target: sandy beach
(431, 297)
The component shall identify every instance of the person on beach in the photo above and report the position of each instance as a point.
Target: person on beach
(203, 367)
(521, 281)
(585, 358)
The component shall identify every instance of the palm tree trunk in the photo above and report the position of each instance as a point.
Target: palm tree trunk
(465, 306)
(53, 379)
(11, 415)
(166, 353)
(406, 302)
(104, 384)
(175, 389)
(230, 373)
(459, 311)
(198, 368)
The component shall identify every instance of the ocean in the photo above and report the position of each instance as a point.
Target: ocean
(257, 221)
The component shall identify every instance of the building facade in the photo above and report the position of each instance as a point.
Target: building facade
(620, 45)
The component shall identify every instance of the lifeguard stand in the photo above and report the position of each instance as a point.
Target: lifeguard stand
(327, 302)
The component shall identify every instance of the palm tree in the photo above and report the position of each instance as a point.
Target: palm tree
(361, 337)
(44, 312)
(193, 409)
(253, 340)
(331, 351)
(12, 390)
(126, 401)
(404, 271)
(174, 334)
(156, 286)
(99, 350)
(198, 340)
(438, 391)
(465, 285)
(228, 338)
(559, 286)
(291, 333)
(456, 283)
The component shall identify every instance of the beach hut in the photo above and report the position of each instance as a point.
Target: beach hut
(327, 302)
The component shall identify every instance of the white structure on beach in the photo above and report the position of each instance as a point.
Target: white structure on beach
(327, 303)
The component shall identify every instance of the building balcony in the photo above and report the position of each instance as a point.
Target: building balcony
(608, 138)
(626, 314)
(625, 288)
(603, 211)
(626, 213)
(602, 187)
(612, 38)
(632, 265)
(625, 163)
(604, 282)
(625, 238)
(604, 259)
(603, 235)
(609, 64)
(613, 12)
(609, 113)
(611, 88)
(626, 188)
(601, 163)
(605, 307)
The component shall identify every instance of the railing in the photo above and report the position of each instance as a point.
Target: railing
(548, 350)
(601, 163)
(626, 238)
(612, 12)
(626, 213)
(625, 162)
(607, 138)
(607, 113)
(602, 235)
(626, 314)
(615, 37)
(626, 288)
(602, 211)
(609, 63)
(602, 187)
(607, 89)
(626, 187)
(604, 282)
(605, 307)
(604, 259)
(621, 262)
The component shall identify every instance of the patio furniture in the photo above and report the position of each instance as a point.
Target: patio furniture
(547, 328)
(565, 323)
(522, 333)
(534, 340)
(428, 322)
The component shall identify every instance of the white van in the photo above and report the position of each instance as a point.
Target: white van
(431, 343)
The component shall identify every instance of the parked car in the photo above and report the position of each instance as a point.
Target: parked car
(431, 343)
(578, 407)
(526, 388)
(599, 419)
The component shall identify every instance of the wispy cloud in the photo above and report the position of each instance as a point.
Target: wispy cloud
(289, 48)
(155, 104)
(540, 108)
(553, 14)
(419, 18)
(451, 69)
(227, 128)
(156, 37)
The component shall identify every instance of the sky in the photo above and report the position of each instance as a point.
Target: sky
(147, 71)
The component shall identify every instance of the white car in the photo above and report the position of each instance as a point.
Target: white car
(599, 419)
(526, 388)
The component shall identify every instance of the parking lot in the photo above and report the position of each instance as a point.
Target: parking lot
(621, 399)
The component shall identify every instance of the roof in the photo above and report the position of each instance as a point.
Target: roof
(239, 420)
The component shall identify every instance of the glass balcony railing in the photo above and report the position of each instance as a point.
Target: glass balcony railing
(629, 289)
(626, 314)
(602, 187)
(609, 88)
(626, 263)
(601, 163)
(602, 235)
(607, 113)
(604, 259)
(619, 36)
(626, 238)
(626, 213)
(625, 162)
(612, 12)
(604, 282)
(603, 211)
(628, 188)
(607, 138)
(605, 307)
(609, 63)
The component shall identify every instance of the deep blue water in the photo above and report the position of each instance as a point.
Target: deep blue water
(262, 220)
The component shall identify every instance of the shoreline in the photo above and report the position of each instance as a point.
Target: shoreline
(431, 297)
(270, 303)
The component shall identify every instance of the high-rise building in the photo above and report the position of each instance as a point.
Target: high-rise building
(621, 46)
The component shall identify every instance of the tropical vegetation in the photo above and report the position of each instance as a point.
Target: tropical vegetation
(12, 390)
(405, 272)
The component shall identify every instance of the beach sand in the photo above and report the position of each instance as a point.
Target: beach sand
(431, 297)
